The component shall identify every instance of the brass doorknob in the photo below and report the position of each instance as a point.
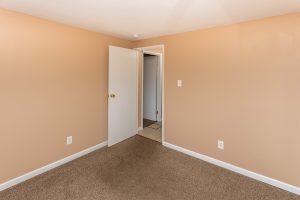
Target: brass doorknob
(112, 95)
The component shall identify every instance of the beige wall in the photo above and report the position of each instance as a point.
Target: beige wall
(241, 83)
(53, 81)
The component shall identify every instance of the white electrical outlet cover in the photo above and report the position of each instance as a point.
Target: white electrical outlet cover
(221, 144)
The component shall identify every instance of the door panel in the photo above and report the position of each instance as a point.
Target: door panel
(123, 99)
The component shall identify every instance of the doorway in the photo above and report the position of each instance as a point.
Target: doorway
(151, 90)
(125, 94)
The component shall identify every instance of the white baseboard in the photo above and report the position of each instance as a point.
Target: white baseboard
(259, 177)
(46, 168)
(140, 128)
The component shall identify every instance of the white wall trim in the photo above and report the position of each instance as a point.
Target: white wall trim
(259, 177)
(151, 47)
(48, 167)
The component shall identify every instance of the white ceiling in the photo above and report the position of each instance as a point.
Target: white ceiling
(150, 18)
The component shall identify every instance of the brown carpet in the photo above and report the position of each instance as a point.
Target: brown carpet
(141, 169)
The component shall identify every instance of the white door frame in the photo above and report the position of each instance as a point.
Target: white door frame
(147, 50)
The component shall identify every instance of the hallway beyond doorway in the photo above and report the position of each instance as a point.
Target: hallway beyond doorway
(152, 132)
(147, 122)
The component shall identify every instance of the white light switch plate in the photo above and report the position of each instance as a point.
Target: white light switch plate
(179, 83)
(69, 140)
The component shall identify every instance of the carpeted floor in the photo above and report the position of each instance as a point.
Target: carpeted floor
(141, 169)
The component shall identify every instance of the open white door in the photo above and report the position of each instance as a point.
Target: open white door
(123, 94)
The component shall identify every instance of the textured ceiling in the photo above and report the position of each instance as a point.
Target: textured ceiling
(150, 18)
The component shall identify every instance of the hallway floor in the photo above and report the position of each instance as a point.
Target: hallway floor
(152, 133)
